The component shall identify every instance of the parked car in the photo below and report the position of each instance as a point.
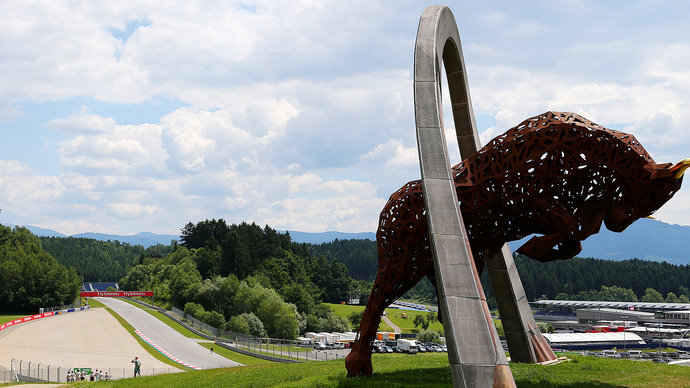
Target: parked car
(320, 346)
(396, 349)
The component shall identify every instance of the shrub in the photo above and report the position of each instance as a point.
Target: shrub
(194, 309)
(428, 336)
(213, 318)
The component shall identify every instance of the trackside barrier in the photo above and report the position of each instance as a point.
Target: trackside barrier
(38, 316)
(273, 349)
(33, 372)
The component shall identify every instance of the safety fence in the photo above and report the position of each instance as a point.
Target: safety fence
(28, 371)
(274, 349)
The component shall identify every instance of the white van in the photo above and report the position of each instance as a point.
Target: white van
(408, 346)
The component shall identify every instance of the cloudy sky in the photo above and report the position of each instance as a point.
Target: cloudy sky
(121, 117)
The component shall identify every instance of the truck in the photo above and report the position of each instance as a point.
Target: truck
(408, 346)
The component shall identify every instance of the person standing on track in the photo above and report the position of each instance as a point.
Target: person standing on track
(137, 366)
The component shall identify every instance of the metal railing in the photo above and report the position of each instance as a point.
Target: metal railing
(274, 349)
(28, 371)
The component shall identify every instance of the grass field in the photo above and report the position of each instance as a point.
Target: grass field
(344, 310)
(429, 370)
(7, 318)
(406, 325)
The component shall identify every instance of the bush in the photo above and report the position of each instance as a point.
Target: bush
(428, 336)
(194, 309)
(213, 318)
(246, 323)
(237, 324)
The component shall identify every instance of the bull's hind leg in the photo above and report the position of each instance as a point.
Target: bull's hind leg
(391, 283)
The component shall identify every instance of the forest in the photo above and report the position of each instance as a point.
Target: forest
(247, 279)
(30, 277)
(577, 278)
(99, 261)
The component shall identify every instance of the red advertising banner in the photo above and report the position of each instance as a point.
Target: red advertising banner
(90, 294)
(25, 319)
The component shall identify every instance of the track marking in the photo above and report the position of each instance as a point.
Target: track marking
(165, 353)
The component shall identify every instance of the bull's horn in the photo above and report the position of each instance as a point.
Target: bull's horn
(680, 167)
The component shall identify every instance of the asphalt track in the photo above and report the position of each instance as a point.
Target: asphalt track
(177, 345)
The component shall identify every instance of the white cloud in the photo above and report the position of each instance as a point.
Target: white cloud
(82, 123)
(297, 114)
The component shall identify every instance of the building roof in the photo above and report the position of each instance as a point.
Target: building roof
(633, 313)
(572, 338)
(615, 305)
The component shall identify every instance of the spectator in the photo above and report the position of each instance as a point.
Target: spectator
(137, 366)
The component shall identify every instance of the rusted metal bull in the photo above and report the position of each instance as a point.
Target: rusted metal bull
(557, 175)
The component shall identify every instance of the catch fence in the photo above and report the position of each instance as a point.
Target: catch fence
(275, 349)
(28, 371)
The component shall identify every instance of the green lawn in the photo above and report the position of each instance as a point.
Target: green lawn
(7, 318)
(344, 310)
(395, 315)
(95, 304)
(430, 370)
(237, 357)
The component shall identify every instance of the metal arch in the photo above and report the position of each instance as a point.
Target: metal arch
(475, 352)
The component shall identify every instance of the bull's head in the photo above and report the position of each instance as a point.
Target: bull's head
(646, 195)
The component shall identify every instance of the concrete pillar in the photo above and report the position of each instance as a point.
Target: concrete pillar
(474, 350)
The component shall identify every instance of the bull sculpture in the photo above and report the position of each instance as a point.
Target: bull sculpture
(557, 175)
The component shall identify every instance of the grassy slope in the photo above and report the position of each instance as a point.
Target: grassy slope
(7, 318)
(429, 370)
(395, 315)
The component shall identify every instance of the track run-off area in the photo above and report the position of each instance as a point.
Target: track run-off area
(95, 339)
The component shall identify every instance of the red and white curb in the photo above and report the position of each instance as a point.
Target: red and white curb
(166, 354)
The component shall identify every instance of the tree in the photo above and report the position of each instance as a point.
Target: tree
(185, 281)
(617, 294)
(355, 318)
(545, 327)
(683, 299)
(30, 277)
(425, 336)
(420, 320)
(652, 295)
(671, 298)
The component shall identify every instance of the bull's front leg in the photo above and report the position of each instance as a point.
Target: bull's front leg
(556, 246)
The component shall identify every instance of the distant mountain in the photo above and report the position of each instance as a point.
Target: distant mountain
(645, 239)
(144, 239)
(323, 237)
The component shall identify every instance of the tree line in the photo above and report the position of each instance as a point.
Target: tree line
(30, 277)
(99, 261)
(577, 278)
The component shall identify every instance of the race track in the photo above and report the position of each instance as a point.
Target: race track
(85, 339)
(166, 338)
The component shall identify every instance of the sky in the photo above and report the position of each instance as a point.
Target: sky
(129, 116)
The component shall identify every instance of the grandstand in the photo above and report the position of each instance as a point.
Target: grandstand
(99, 286)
